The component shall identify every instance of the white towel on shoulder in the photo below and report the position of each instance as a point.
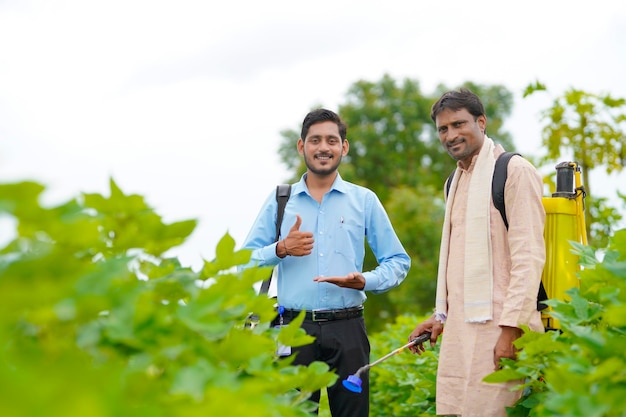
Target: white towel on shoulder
(478, 272)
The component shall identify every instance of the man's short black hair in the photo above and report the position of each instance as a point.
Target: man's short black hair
(456, 100)
(323, 115)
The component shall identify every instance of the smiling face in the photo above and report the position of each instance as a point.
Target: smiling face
(461, 134)
(323, 148)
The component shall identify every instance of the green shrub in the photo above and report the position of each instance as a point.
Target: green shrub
(577, 371)
(404, 384)
(95, 320)
(580, 370)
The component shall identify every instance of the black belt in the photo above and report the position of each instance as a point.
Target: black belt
(326, 315)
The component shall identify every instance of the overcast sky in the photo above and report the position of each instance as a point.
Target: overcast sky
(183, 101)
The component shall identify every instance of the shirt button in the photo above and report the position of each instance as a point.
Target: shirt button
(321, 232)
(321, 254)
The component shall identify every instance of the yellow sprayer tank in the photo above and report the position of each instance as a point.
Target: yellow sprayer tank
(565, 222)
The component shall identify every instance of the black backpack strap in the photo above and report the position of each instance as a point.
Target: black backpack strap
(283, 191)
(449, 182)
(500, 174)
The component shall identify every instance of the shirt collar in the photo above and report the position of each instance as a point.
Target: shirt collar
(472, 164)
(339, 185)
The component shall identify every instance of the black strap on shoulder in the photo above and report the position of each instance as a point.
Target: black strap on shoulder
(449, 182)
(498, 181)
(500, 173)
(283, 191)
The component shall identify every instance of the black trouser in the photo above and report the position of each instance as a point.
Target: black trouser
(344, 346)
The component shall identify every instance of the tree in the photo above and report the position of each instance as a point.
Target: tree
(590, 126)
(392, 138)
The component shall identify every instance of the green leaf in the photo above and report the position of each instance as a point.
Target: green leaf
(191, 380)
(20, 198)
(316, 375)
(616, 316)
(204, 318)
(225, 255)
(503, 375)
(89, 335)
(293, 335)
(119, 325)
(618, 268)
(532, 88)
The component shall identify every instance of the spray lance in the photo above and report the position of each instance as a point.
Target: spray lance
(353, 382)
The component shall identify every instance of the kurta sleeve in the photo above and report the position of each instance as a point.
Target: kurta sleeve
(526, 217)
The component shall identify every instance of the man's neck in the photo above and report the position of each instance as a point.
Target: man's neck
(319, 185)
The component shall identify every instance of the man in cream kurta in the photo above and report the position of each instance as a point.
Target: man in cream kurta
(488, 276)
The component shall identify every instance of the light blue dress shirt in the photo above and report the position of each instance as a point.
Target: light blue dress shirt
(347, 216)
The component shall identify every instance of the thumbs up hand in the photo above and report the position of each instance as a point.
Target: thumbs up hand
(296, 243)
(296, 225)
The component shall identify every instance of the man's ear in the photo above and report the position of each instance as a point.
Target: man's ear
(300, 146)
(482, 122)
(346, 147)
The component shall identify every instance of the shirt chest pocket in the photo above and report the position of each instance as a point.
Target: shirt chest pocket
(349, 239)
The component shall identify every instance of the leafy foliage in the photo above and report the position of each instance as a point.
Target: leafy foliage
(94, 320)
(404, 384)
(418, 216)
(606, 220)
(580, 371)
(577, 371)
(593, 128)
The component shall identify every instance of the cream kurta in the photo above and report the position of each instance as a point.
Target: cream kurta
(466, 355)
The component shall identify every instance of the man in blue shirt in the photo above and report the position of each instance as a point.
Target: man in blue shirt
(320, 258)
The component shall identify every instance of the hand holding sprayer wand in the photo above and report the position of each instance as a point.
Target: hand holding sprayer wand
(354, 382)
